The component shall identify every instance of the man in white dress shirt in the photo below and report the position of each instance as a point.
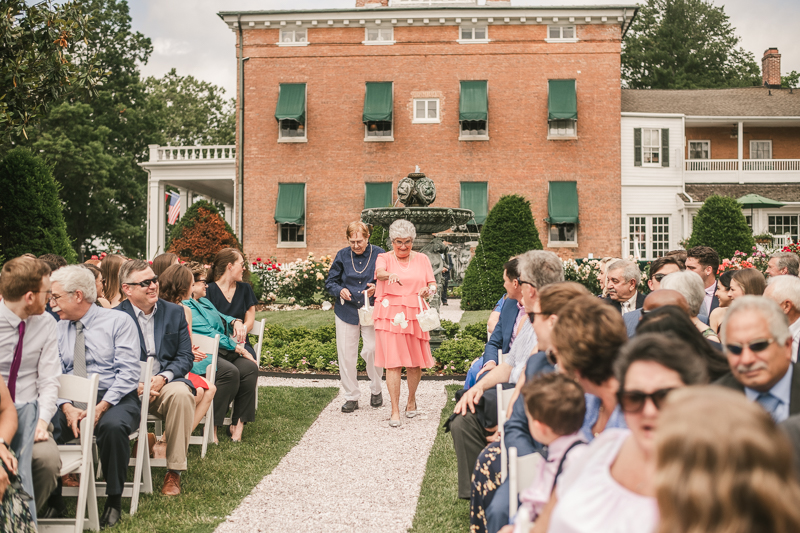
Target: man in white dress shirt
(785, 291)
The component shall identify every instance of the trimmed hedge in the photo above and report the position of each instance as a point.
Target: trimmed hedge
(721, 225)
(201, 233)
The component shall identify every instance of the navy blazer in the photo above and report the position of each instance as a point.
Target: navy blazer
(517, 434)
(501, 336)
(173, 342)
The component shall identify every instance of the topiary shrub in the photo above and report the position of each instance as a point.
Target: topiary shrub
(509, 230)
(201, 233)
(476, 330)
(450, 328)
(456, 355)
(721, 225)
(32, 215)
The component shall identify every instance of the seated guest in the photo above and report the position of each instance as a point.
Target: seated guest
(610, 487)
(237, 371)
(704, 261)
(757, 342)
(743, 282)
(722, 465)
(175, 285)
(494, 316)
(55, 262)
(163, 334)
(622, 280)
(163, 262)
(783, 264)
(602, 278)
(785, 291)
(93, 340)
(98, 281)
(723, 295)
(15, 513)
(690, 285)
(658, 271)
(29, 364)
(111, 289)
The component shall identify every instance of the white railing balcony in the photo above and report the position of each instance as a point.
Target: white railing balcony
(771, 165)
(431, 2)
(712, 165)
(159, 154)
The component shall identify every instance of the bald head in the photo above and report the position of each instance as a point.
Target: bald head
(664, 297)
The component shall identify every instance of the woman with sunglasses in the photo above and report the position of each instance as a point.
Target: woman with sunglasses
(611, 486)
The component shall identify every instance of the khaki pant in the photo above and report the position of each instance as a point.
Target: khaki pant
(347, 336)
(175, 406)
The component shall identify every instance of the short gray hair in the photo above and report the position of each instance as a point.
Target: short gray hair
(785, 288)
(76, 278)
(540, 268)
(764, 307)
(401, 228)
(128, 268)
(690, 285)
(789, 261)
(630, 270)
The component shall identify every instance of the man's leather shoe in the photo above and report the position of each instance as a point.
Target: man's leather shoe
(71, 480)
(350, 406)
(376, 400)
(151, 443)
(172, 484)
(110, 518)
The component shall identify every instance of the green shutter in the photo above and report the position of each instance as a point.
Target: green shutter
(474, 102)
(664, 147)
(291, 206)
(562, 102)
(637, 147)
(292, 102)
(378, 195)
(475, 196)
(378, 102)
(562, 202)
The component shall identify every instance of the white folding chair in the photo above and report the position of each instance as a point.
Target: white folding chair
(210, 347)
(258, 329)
(503, 399)
(77, 458)
(521, 473)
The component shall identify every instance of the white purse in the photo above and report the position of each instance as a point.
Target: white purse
(365, 313)
(428, 318)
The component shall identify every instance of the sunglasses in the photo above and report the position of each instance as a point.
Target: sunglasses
(758, 345)
(551, 357)
(659, 277)
(144, 284)
(633, 401)
(522, 282)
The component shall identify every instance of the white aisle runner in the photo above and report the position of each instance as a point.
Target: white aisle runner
(349, 472)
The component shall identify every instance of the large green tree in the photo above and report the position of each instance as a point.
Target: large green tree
(685, 44)
(721, 225)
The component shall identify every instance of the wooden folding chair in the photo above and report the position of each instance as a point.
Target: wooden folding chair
(258, 329)
(521, 473)
(77, 458)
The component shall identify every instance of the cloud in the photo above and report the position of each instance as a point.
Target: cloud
(170, 47)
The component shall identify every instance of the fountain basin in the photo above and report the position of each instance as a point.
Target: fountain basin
(427, 220)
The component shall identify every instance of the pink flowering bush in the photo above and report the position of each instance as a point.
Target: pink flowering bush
(304, 280)
(741, 260)
(267, 272)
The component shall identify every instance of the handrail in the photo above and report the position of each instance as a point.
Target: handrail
(748, 165)
(221, 152)
(711, 165)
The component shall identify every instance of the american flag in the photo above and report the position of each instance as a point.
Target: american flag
(174, 207)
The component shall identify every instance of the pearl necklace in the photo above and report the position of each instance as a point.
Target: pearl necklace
(353, 260)
(400, 265)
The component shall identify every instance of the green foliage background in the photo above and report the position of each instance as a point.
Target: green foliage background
(721, 225)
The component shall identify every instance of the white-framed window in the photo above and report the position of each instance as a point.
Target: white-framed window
(699, 149)
(560, 33)
(426, 111)
(563, 128)
(760, 149)
(648, 236)
(659, 236)
(379, 36)
(469, 34)
(291, 234)
(378, 131)
(293, 38)
(780, 225)
(563, 234)
(291, 129)
(651, 147)
(474, 128)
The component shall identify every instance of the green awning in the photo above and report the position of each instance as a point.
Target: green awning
(378, 195)
(474, 103)
(292, 102)
(562, 102)
(475, 196)
(378, 102)
(562, 202)
(291, 206)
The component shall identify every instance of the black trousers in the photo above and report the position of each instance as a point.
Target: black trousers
(113, 437)
(237, 379)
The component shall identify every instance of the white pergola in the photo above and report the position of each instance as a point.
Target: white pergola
(207, 171)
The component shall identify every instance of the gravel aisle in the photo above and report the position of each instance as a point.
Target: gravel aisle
(349, 472)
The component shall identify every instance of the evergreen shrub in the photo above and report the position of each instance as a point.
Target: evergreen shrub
(450, 328)
(721, 225)
(201, 233)
(476, 330)
(455, 356)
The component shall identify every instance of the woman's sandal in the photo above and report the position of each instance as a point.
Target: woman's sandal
(394, 423)
(412, 414)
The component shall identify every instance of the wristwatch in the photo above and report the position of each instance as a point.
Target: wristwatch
(4, 443)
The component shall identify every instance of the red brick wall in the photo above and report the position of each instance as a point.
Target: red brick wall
(785, 141)
(336, 162)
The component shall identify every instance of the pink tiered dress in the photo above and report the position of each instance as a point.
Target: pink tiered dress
(394, 346)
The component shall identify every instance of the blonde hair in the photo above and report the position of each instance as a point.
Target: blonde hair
(357, 227)
(723, 466)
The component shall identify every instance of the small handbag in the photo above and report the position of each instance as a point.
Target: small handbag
(365, 313)
(428, 319)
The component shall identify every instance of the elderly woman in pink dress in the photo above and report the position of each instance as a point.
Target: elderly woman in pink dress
(402, 277)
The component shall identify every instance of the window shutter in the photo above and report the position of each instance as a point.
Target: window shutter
(637, 147)
(664, 147)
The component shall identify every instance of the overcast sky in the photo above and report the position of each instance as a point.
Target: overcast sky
(189, 36)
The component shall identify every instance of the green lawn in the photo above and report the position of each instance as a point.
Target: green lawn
(310, 318)
(470, 317)
(215, 486)
(439, 510)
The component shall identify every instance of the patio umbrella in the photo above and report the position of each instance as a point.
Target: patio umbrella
(755, 201)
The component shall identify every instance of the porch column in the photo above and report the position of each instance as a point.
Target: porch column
(235, 213)
(156, 218)
(228, 213)
(740, 146)
(186, 196)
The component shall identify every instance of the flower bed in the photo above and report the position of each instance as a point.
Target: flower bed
(301, 282)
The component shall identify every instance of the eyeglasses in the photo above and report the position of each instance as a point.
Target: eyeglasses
(145, 283)
(406, 243)
(203, 281)
(758, 345)
(551, 357)
(659, 277)
(53, 300)
(633, 401)
(532, 316)
(522, 282)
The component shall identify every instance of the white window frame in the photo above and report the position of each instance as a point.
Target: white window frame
(379, 41)
(648, 221)
(296, 244)
(304, 138)
(776, 214)
(768, 141)
(473, 40)
(294, 41)
(568, 134)
(708, 143)
(436, 120)
(562, 244)
(382, 138)
(485, 136)
(561, 27)
(653, 150)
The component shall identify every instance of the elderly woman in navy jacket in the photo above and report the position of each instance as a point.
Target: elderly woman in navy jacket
(349, 281)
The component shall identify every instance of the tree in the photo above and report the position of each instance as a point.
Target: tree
(201, 233)
(721, 225)
(685, 44)
(791, 79)
(32, 221)
(509, 230)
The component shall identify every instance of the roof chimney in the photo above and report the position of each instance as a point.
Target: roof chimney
(372, 3)
(771, 68)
